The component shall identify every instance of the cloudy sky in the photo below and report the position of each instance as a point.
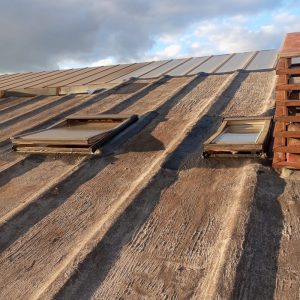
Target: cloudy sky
(45, 34)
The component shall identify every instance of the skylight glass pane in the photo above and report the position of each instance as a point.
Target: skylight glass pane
(236, 138)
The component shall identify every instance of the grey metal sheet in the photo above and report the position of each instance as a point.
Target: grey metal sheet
(43, 81)
(34, 78)
(188, 66)
(9, 77)
(164, 68)
(263, 60)
(116, 75)
(22, 78)
(236, 62)
(79, 76)
(140, 72)
(210, 65)
(98, 76)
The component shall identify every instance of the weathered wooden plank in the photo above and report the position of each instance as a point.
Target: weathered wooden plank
(288, 149)
(290, 134)
(285, 164)
(282, 79)
(281, 95)
(288, 87)
(30, 92)
(288, 103)
(287, 119)
(287, 71)
(84, 89)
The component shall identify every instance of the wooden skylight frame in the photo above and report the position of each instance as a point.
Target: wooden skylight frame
(226, 141)
(81, 134)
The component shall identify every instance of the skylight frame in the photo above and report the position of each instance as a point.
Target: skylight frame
(255, 148)
(35, 142)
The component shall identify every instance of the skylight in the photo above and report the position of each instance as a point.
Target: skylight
(239, 136)
(76, 134)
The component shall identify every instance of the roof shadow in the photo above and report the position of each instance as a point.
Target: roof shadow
(257, 268)
(136, 97)
(20, 168)
(188, 152)
(37, 210)
(98, 263)
(55, 197)
(134, 87)
(22, 104)
(147, 143)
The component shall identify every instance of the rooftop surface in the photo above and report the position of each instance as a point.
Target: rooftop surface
(149, 218)
(249, 61)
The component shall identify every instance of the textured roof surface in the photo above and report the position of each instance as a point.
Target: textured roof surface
(150, 218)
(189, 66)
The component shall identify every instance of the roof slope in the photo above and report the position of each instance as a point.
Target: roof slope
(102, 75)
(150, 218)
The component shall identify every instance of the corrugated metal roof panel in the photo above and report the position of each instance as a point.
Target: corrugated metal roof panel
(22, 77)
(236, 62)
(188, 66)
(78, 76)
(43, 81)
(263, 60)
(120, 73)
(9, 77)
(140, 72)
(99, 75)
(164, 68)
(51, 82)
(32, 79)
(210, 65)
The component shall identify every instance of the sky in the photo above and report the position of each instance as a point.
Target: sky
(46, 35)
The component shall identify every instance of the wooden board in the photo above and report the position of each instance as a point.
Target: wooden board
(287, 103)
(30, 92)
(288, 134)
(285, 164)
(287, 119)
(288, 149)
(287, 71)
(288, 87)
(84, 89)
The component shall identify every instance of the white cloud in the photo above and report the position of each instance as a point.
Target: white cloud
(235, 35)
(169, 52)
(103, 62)
(39, 34)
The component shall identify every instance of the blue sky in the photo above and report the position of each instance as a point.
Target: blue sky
(44, 35)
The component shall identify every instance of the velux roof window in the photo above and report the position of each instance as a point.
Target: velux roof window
(239, 137)
(83, 134)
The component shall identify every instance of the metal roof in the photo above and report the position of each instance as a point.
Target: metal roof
(118, 73)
